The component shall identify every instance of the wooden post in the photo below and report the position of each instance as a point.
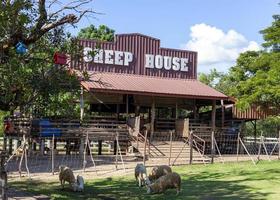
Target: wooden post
(82, 146)
(115, 147)
(279, 146)
(213, 117)
(152, 119)
(85, 152)
(145, 144)
(212, 147)
(3, 186)
(126, 106)
(176, 110)
(82, 104)
(170, 148)
(42, 146)
(223, 113)
(99, 147)
(5, 143)
(191, 146)
(53, 155)
(118, 111)
(237, 151)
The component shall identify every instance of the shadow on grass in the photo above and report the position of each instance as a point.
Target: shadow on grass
(203, 185)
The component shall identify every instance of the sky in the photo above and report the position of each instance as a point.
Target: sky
(219, 30)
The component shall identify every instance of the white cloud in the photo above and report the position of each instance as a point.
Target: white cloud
(217, 48)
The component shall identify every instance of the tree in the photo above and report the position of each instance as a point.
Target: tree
(31, 78)
(102, 33)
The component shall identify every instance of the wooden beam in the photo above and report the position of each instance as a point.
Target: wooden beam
(126, 108)
(213, 130)
(213, 116)
(223, 113)
(176, 110)
(82, 104)
(153, 117)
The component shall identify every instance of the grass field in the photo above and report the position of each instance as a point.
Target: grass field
(218, 181)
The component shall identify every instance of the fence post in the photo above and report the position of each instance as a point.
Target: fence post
(53, 155)
(279, 146)
(145, 144)
(191, 146)
(237, 151)
(212, 147)
(170, 148)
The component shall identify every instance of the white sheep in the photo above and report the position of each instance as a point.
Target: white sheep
(80, 183)
(66, 174)
(159, 171)
(141, 175)
(170, 180)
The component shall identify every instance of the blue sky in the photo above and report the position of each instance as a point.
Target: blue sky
(218, 29)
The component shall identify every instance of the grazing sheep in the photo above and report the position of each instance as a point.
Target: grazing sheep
(66, 174)
(141, 175)
(159, 171)
(80, 183)
(171, 180)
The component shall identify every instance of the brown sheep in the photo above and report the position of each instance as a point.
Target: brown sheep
(171, 180)
(66, 174)
(159, 171)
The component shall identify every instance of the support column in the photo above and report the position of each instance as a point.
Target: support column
(176, 110)
(115, 147)
(42, 146)
(126, 107)
(82, 104)
(10, 146)
(223, 113)
(213, 130)
(5, 143)
(82, 146)
(118, 111)
(152, 118)
(99, 147)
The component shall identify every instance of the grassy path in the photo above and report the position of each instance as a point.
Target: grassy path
(218, 181)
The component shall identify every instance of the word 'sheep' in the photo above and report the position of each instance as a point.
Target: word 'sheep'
(108, 56)
(166, 62)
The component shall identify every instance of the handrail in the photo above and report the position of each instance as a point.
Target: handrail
(149, 143)
(195, 137)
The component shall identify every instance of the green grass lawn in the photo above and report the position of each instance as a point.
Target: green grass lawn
(218, 181)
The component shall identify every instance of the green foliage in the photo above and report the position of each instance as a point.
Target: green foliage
(32, 82)
(102, 33)
(271, 35)
(2, 116)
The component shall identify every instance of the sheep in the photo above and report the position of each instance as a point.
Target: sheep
(80, 183)
(141, 175)
(170, 180)
(66, 174)
(159, 171)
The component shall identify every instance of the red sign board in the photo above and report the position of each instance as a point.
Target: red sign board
(60, 58)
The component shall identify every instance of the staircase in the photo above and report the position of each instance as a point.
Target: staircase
(160, 152)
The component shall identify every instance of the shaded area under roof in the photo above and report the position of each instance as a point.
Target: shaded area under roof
(151, 86)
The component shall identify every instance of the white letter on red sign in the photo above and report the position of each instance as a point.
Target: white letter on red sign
(167, 62)
(108, 57)
(87, 56)
(176, 64)
(118, 58)
(128, 57)
(158, 62)
(149, 61)
(184, 64)
(98, 57)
